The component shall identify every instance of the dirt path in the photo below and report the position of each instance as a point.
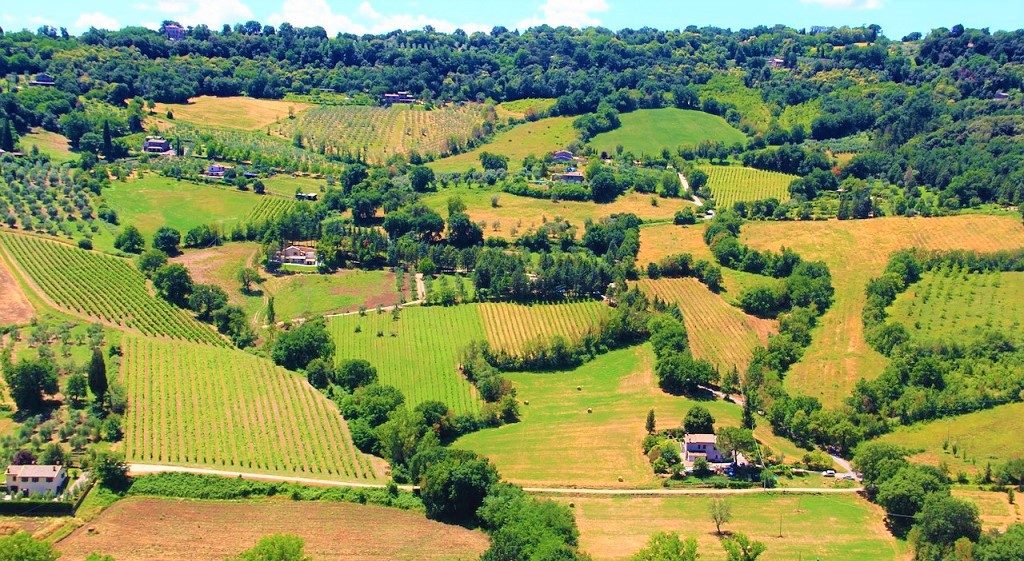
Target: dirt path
(148, 469)
(421, 288)
(686, 187)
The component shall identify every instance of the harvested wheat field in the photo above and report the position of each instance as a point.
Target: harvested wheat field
(238, 112)
(719, 332)
(150, 529)
(16, 308)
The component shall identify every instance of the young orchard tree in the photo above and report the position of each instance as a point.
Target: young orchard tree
(248, 277)
(721, 513)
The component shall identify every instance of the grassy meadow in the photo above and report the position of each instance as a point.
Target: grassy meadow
(304, 295)
(647, 131)
(224, 408)
(558, 443)
(515, 215)
(948, 303)
(718, 332)
(243, 113)
(730, 89)
(536, 138)
(155, 201)
(732, 184)
(54, 145)
(983, 437)
(833, 527)
(520, 107)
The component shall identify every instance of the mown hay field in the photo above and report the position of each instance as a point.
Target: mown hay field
(833, 527)
(855, 251)
(512, 327)
(54, 145)
(305, 295)
(244, 113)
(16, 309)
(648, 131)
(101, 287)
(203, 406)
(951, 302)
(718, 332)
(516, 215)
(536, 138)
(732, 184)
(558, 443)
(378, 133)
(994, 507)
(980, 438)
(152, 529)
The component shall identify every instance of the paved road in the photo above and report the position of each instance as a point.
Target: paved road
(147, 469)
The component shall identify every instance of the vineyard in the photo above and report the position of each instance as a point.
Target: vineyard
(511, 327)
(731, 184)
(101, 286)
(719, 332)
(268, 209)
(377, 133)
(418, 353)
(199, 405)
(950, 302)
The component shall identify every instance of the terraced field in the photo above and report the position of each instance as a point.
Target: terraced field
(511, 327)
(418, 353)
(718, 331)
(950, 302)
(731, 184)
(380, 132)
(103, 287)
(198, 405)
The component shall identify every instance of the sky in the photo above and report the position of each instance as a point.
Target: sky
(897, 17)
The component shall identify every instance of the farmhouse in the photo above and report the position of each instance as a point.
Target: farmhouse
(42, 79)
(297, 255)
(216, 170)
(390, 99)
(777, 62)
(36, 480)
(569, 177)
(157, 145)
(562, 156)
(174, 31)
(1002, 96)
(702, 446)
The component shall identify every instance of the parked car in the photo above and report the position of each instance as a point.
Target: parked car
(829, 473)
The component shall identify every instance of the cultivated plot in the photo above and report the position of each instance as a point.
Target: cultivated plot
(732, 184)
(512, 327)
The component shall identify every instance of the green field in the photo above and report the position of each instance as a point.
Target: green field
(536, 138)
(50, 143)
(558, 443)
(93, 285)
(418, 354)
(520, 107)
(304, 295)
(269, 208)
(156, 201)
(199, 405)
(512, 327)
(949, 303)
(992, 435)
(647, 131)
(832, 527)
(731, 184)
(730, 90)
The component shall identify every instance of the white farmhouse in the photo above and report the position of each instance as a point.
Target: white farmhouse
(36, 480)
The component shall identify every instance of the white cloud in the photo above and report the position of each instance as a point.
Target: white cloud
(365, 19)
(573, 13)
(99, 20)
(194, 12)
(847, 4)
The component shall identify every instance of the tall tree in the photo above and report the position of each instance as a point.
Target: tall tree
(721, 512)
(98, 375)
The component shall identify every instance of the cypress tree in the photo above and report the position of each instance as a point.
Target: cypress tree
(650, 421)
(108, 144)
(748, 411)
(6, 136)
(98, 375)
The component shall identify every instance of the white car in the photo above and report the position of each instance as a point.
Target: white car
(829, 473)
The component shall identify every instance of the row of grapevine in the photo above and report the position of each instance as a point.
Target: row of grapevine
(418, 352)
(731, 184)
(377, 133)
(718, 332)
(510, 326)
(101, 286)
(199, 405)
(269, 208)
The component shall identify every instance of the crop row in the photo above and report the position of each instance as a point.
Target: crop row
(511, 326)
(731, 184)
(418, 353)
(199, 405)
(101, 286)
(269, 208)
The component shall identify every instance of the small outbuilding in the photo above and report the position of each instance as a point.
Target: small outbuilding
(42, 79)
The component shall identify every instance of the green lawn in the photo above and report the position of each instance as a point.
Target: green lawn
(156, 201)
(808, 527)
(950, 302)
(558, 443)
(992, 435)
(303, 295)
(536, 138)
(418, 353)
(647, 131)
